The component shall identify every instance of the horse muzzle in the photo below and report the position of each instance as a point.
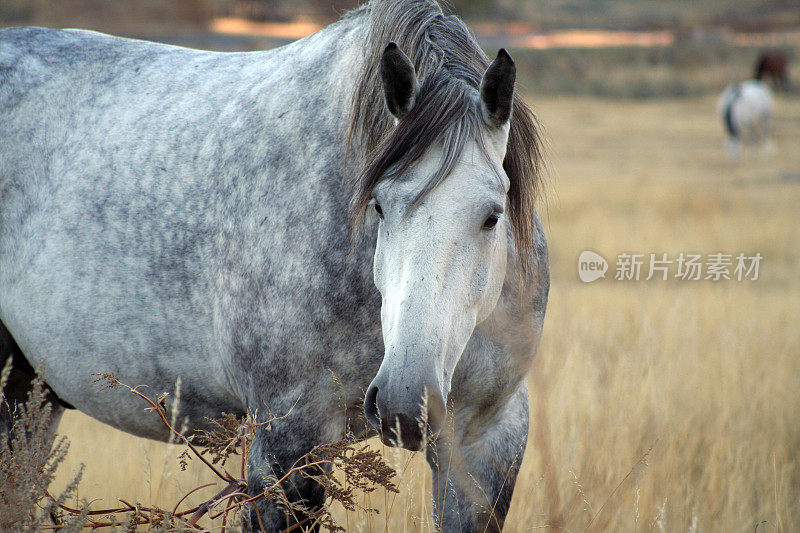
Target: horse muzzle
(405, 413)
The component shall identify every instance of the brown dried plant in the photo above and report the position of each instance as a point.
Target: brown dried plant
(363, 471)
(26, 472)
(342, 468)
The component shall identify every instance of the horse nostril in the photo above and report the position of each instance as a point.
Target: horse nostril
(371, 407)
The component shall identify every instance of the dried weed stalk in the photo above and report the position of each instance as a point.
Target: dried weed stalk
(26, 473)
(32, 466)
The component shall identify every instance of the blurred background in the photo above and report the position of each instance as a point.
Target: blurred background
(656, 405)
(602, 47)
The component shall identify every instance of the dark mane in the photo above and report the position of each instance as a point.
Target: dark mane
(450, 66)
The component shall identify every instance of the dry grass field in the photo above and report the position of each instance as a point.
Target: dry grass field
(657, 405)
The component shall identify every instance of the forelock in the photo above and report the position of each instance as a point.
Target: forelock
(450, 66)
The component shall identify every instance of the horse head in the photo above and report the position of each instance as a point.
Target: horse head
(441, 255)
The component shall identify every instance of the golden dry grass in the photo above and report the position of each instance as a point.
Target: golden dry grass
(704, 375)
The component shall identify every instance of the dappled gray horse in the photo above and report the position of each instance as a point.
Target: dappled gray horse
(172, 214)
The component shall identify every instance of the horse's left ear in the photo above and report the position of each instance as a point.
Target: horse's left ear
(497, 89)
(399, 80)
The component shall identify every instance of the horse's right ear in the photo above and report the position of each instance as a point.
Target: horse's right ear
(399, 80)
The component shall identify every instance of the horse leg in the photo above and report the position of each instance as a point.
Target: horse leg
(18, 387)
(475, 467)
(767, 144)
(733, 148)
(274, 452)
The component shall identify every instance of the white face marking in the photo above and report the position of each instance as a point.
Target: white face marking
(439, 269)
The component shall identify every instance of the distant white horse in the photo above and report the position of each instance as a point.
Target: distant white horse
(746, 110)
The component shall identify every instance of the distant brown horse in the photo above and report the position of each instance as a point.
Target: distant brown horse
(775, 66)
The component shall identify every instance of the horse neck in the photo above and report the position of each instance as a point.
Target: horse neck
(340, 63)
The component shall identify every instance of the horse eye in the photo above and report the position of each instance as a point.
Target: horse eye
(378, 209)
(491, 222)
